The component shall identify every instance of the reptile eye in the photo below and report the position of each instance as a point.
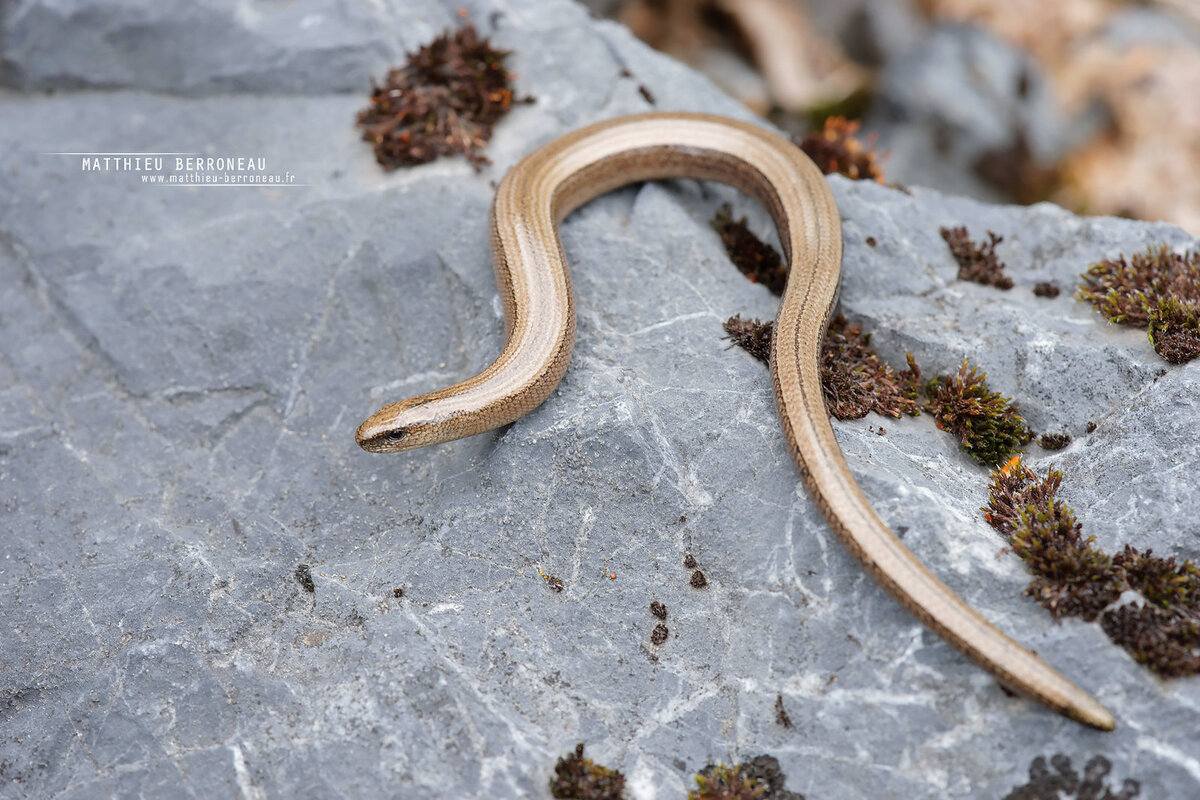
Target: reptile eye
(396, 435)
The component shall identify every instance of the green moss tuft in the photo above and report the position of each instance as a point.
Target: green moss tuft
(726, 783)
(986, 423)
(1174, 329)
(1158, 290)
(1073, 577)
(1014, 486)
(760, 777)
(579, 778)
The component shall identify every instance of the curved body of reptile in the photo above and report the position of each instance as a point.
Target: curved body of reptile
(540, 330)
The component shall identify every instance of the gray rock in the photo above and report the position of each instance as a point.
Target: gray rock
(873, 32)
(182, 370)
(212, 47)
(958, 96)
(950, 96)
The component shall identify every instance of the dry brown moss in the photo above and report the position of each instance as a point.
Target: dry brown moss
(835, 148)
(1162, 581)
(1073, 577)
(443, 101)
(1054, 441)
(855, 380)
(782, 718)
(751, 335)
(1164, 639)
(757, 260)
(1062, 782)
(1174, 329)
(977, 262)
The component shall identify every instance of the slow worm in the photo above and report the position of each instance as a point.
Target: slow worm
(539, 315)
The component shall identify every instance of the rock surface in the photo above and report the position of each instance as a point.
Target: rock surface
(182, 370)
(961, 97)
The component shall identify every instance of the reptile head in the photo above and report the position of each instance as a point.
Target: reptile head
(405, 425)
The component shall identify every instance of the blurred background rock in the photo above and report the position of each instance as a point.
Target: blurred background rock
(1090, 104)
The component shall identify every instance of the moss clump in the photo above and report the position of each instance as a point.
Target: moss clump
(1013, 487)
(835, 148)
(726, 783)
(304, 577)
(1162, 581)
(977, 262)
(443, 101)
(1158, 290)
(757, 260)
(855, 380)
(751, 335)
(1054, 441)
(1046, 289)
(1062, 782)
(1174, 329)
(1073, 577)
(579, 778)
(760, 777)
(1164, 639)
(986, 423)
